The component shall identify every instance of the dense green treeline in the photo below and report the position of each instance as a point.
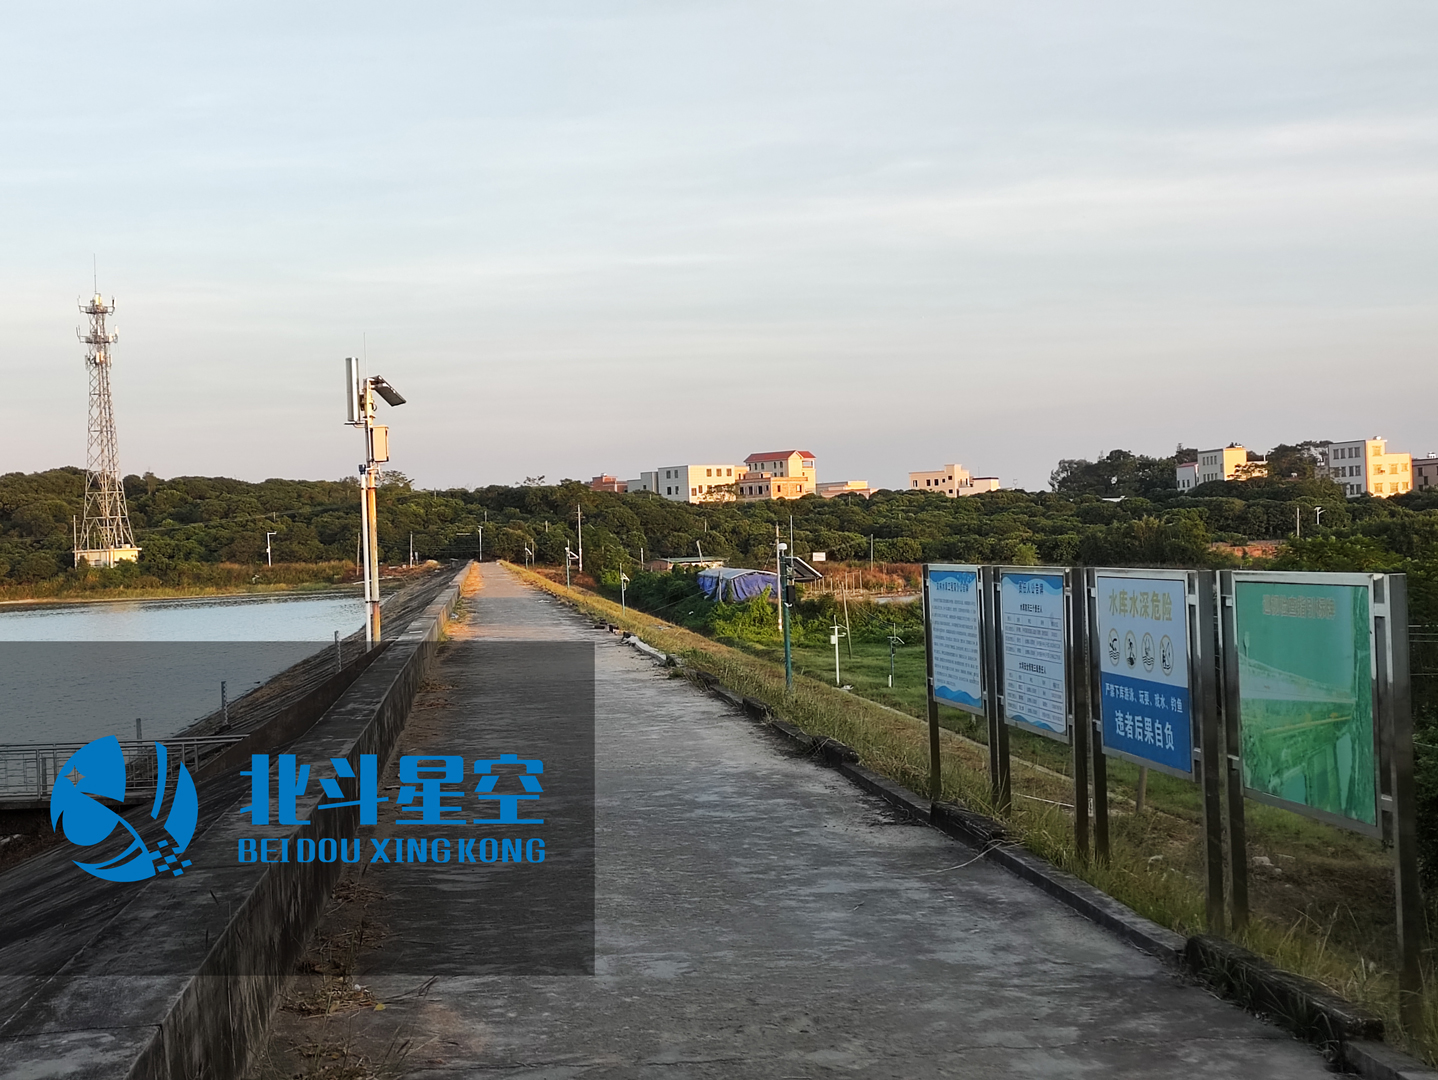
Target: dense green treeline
(191, 521)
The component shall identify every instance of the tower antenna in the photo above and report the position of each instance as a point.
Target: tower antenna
(104, 537)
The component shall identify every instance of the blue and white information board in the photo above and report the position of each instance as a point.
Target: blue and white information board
(1031, 621)
(955, 636)
(1142, 649)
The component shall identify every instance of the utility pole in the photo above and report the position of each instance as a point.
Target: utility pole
(579, 513)
(269, 555)
(784, 588)
(360, 413)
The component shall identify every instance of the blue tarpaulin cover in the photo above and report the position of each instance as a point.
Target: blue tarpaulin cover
(735, 584)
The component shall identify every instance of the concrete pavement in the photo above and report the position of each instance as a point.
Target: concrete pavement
(756, 915)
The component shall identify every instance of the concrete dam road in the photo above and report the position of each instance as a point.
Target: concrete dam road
(757, 916)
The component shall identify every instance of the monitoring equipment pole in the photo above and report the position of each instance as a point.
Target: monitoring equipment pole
(360, 393)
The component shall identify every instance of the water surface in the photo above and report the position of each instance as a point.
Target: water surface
(75, 672)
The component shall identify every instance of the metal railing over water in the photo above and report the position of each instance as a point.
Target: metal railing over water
(28, 770)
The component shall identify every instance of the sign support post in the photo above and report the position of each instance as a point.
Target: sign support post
(1395, 703)
(993, 695)
(1213, 757)
(1236, 829)
(931, 703)
(1090, 715)
(1078, 713)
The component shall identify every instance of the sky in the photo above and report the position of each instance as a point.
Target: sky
(606, 237)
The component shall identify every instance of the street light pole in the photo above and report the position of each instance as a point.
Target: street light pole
(269, 555)
(579, 513)
(623, 581)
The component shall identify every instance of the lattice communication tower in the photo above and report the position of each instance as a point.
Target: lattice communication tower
(104, 536)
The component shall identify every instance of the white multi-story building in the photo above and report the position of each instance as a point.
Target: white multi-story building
(845, 487)
(1425, 472)
(953, 481)
(1364, 466)
(1228, 463)
(648, 481)
(778, 474)
(698, 483)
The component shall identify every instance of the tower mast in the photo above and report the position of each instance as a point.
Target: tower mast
(105, 537)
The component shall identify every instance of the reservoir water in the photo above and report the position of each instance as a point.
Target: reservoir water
(75, 672)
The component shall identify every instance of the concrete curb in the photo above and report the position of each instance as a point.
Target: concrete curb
(1299, 1005)
(647, 650)
(1342, 1030)
(1379, 1061)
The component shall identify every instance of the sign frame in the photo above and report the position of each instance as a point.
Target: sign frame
(1233, 691)
(1193, 665)
(980, 707)
(1066, 579)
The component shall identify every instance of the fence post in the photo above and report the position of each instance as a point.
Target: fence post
(1079, 728)
(936, 779)
(1396, 703)
(1231, 705)
(1095, 717)
(993, 698)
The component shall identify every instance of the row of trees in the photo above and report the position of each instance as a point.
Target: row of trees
(189, 521)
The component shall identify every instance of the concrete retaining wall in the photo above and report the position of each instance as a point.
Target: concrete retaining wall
(87, 1023)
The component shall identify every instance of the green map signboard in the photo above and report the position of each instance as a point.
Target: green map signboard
(1306, 698)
